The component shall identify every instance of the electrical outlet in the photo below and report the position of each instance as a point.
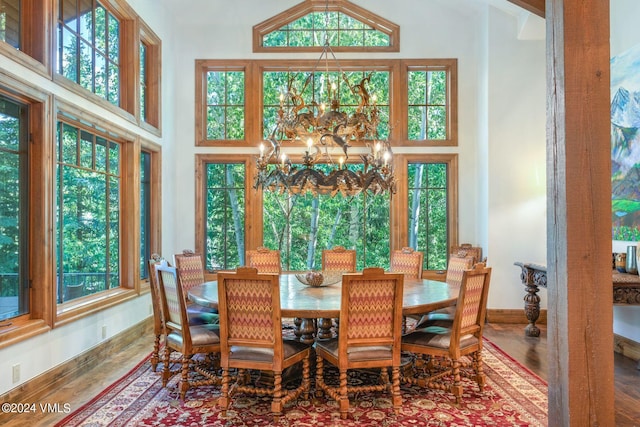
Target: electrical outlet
(104, 331)
(16, 373)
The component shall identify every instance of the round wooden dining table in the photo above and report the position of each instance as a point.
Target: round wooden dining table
(314, 307)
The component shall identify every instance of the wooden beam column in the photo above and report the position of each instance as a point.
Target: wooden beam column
(580, 314)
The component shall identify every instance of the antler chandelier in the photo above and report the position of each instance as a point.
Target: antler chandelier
(327, 130)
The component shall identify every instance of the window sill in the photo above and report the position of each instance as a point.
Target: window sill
(85, 306)
(21, 331)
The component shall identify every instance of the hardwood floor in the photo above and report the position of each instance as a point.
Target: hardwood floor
(531, 352)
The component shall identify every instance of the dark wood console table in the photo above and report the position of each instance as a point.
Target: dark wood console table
(626, 291)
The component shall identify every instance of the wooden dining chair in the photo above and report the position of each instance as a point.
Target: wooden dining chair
(265, 260)
(339, 259)
(369, 337)
(187, 339)
(444, 317)
(440, 350)
(408, 262)
(251, 338)
(156, 306)
(190, 269)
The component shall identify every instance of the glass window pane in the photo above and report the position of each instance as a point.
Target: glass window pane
(145, 213)
(143, 81)
(225, 110)
(428, 212)
(437, 119)
(86, 66)
(114, 39)
(87, 221)
(300, 226)
(86, 20)
(101, 154)
(101, 30)
(86, 150)
(69, 55)
(10, 22)
(225, 216)
(114, 159)
(427, 106)
(14, 232)
(88, 53)
(114, 84)
(101, 76)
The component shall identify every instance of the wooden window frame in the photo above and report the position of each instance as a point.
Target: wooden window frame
(251, 109)
(34, 37)
(398, 217)
(363, 15)
(127, 61)
(155, 202)
(450, 66)
(129, 210)
(398, 98)
(40, 316)
(399, 212)
(253, 199)
(153, 76)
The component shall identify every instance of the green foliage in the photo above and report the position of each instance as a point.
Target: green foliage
(315, 28)
(88, 213)
(90, 50)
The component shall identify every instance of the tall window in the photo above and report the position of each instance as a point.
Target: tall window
(145, 213)
(14, 233)
(143, 82)
(88, 213)
(10, 22)
(225, 215)
(89, 47)
(429, 212)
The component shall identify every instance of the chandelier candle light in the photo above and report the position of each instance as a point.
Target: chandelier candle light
(326, 129)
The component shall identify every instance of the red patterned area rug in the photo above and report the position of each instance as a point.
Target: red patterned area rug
(513, 396)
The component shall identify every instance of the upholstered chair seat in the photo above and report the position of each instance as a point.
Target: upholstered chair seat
(200, 335)
(437, 336)
(257, 354)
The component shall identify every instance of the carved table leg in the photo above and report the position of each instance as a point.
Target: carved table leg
(308, 331)
(531, 301)
(324, 328)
